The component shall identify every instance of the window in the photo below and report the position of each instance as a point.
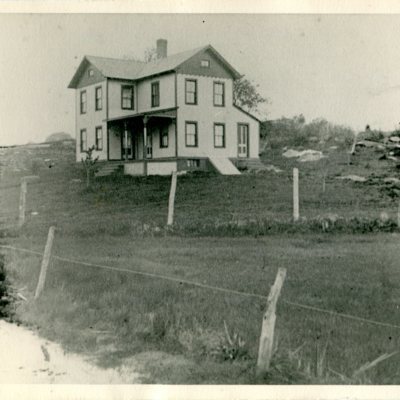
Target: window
(99, 138)
(164, 137)
(205, 63)
(219, 94)
(83, 102)
(190, 91)
(90, 72)
(219, 135)
(98, 98)
(155, 94)
(127, 145)
(127, 97)
(191, 134)
(149, 148)
(83, 140)
(193, 163)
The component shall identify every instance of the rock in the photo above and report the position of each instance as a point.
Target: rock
(269, 168)
(354, 178)
(384, 217)
(332, 217)
(370, 143)
(76, 180)
(146, 227)
(394, 139)
(311, 157)
(304, 155)
(391, 180)
(34, 213)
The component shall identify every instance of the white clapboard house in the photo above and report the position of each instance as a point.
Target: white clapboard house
(171, 114)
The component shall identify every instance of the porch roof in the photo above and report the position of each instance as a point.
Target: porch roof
(166, 113)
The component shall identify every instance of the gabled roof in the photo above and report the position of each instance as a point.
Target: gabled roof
(109, 67)
(167, 63)
(134, 70)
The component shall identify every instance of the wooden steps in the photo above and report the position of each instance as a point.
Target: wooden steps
(106, 169)
(254, 164)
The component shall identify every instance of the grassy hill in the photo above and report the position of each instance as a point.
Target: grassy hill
(231, 232)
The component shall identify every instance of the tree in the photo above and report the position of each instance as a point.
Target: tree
(89, 164)
(246, 95)
(150, 54)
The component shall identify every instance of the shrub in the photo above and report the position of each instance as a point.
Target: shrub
(296, 132)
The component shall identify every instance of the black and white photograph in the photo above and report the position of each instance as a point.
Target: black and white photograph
(200, 199)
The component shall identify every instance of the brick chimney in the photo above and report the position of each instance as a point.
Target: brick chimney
(161, 48)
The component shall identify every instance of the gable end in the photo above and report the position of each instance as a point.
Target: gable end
(217, 68)
(83, 78)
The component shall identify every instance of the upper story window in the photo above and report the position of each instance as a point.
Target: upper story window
(219, 135)
(155, 94)
(90, 72)
(99, 138)
(219, 94)
(83, 140)
(205, 63)
(127, 102)
(190, 91)
(191, 134)
(83, 102)
(98, 98)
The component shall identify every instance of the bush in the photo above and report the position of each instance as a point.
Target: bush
(373, 135)
(295, 132)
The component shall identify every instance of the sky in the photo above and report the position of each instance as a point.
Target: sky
(345, 68)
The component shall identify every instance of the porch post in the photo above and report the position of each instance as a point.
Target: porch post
(145, 120)
(126, 140)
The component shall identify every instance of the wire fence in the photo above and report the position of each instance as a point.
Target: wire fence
(206, 286)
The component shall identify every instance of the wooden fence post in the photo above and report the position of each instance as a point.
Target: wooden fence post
(45, 262)
(268, 325)
(171, 202)
(22, 203)
(296, 213)
(398, 216)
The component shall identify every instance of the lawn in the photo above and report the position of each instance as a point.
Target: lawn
(176, 331)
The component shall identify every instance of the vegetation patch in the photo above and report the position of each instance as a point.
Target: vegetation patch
(5, 297)
(118, 316)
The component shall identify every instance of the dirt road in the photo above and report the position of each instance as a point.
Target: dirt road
(27, 358)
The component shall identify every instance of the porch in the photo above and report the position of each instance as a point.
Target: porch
(142, 141)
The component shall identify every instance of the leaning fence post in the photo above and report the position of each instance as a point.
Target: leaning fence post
(45, 262)
(268, 325)
(171, 201)
(296, 213)
(22, 203)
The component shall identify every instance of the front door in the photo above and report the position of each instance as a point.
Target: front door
(128, 152)
(243, 140)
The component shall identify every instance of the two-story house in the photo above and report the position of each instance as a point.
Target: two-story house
(171, 114)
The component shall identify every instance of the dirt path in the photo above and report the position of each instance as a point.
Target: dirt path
(27, 358)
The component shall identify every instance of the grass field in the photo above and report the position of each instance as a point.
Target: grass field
(176, 331)
(116, 315)
(204, 202)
